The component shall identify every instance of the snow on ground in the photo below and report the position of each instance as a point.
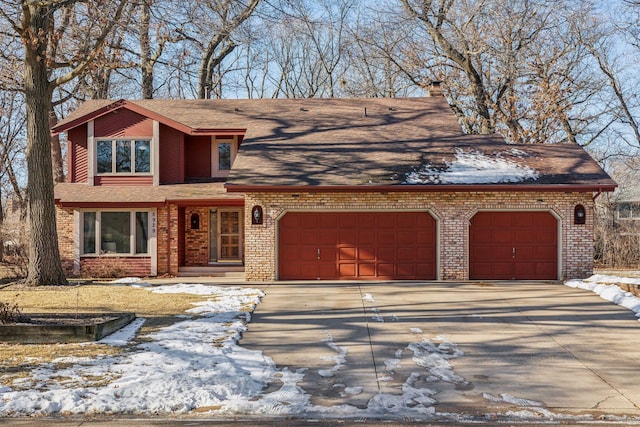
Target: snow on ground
(197, 363)
(474, 167)
(606, 287)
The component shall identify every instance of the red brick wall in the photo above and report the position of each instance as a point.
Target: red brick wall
(452, 211)
(65, 222)
(115, 266)
(197, 241)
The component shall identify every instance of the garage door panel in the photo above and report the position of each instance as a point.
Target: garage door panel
(501, 236)
(347, 253)
(366, 252)
(405, 238)
(347, 270)
(406, 253)
(328, 237)
(385, 238)
(366, 245)
(328, 222)
(366, 237)
(387, 270)
(513, 245)
(386, 253)
(366, 270)
(365, 221)
(347, 237)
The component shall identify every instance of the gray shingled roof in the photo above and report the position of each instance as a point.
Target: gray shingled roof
(364, 142)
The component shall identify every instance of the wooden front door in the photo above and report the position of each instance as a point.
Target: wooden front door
(226, 235)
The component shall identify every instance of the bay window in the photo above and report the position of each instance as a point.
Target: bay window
(115, 232)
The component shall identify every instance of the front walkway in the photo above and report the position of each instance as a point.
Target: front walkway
(473, 348)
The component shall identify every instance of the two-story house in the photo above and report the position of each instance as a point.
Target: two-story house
(280, 189)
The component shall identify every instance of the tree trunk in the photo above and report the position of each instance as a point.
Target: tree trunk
(145, 51)
(56, 151)
(1, 231)
(45, 267)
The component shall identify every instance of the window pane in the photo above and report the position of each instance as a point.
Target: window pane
(104, 156)
(142, 236)
(89, 233)
(224, 156)
(624, 210)
(143, 156)
(123, 156)
(115, 232)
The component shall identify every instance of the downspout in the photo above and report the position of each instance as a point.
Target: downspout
(168, 238)
(597, 195)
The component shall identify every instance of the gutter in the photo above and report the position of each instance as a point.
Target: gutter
(453, 188)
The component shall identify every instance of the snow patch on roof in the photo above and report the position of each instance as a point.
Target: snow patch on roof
(475, 167)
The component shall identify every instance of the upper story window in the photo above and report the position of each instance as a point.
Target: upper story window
(628, 210)
(223, 154)
(123, 156)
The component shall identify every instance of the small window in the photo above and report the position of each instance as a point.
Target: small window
(223, 154)
(142, 234)
(89, 233)
(123, 156)
(629, 210)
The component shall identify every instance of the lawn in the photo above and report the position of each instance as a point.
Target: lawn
(159, 310)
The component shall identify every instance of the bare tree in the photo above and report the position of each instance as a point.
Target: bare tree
(52, 57)
(508, 66)
(210, 27)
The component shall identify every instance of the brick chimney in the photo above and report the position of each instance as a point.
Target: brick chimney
(435, 88)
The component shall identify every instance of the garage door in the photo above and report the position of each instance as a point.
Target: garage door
(357, 245)
(513, 245)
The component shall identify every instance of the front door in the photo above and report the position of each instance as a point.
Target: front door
(225, 237)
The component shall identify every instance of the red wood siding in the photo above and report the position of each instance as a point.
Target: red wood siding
(115, 266)
(123, 123)
(197, 153)
(78, 157)
(171, 155)
(357, 245)
(513, 246)
(123, 180)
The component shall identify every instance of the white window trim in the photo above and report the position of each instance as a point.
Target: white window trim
(133, 156)
(233, 140)
(151, 235)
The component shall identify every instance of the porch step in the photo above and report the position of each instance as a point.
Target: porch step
(231, 271)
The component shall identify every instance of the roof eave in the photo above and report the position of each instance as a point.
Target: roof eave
(147, 113)
(453, 188)
(108, 205)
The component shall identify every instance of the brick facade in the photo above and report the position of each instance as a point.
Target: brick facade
(93, 266)
(197, 240)
(452, 211)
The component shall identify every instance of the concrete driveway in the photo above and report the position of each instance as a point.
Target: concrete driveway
(473, 348)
